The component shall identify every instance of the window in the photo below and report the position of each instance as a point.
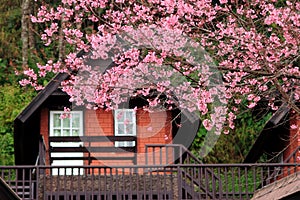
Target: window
(70, 126)
(125, 125)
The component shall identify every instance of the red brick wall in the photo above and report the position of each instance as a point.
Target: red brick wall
(45, 131)
(152, 128)
(294, 139)
(99, 123)
(293, 143)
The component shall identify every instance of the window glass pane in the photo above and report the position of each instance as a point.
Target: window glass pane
(75, 132)
(131, 143)
(121, 129)
(66, 122)
(66, 132)
(67, 126)
(56, 120)
(120, 115)
(75, 120)
(56, 132)
(129, 129)
(125, 143)
(129, 116)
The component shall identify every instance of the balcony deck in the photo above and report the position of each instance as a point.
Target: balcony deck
(178, 181)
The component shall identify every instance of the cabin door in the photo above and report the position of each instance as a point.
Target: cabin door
(71, 125)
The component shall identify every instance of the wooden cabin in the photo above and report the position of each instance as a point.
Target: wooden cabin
(96, 137)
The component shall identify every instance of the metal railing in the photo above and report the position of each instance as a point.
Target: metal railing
(177, 181)
(169, 154)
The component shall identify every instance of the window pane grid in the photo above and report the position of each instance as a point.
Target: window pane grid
(66, 126)
(125, 125)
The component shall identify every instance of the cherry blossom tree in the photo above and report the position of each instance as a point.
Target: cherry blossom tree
(206, 57)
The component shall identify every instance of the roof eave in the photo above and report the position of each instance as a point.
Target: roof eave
(41, 97)
(257, 148)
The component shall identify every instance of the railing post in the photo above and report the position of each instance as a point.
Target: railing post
(179, 182)
(37, 182)
(146, 152)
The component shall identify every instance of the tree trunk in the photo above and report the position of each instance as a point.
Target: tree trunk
(25, 31)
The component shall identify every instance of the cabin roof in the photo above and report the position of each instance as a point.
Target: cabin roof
(280, 189)
(42, 96)
(273, 133)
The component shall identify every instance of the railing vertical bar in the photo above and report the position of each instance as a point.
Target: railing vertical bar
(110, 183)
(194, 177)
(199, 171)
(137, 182)
(9, 178)
(31, 186)
(213, 183)
(165, 182)
(118, 184)
(239, 182)
(105, 183)
(144, 182)
(23, 182)
(180, 155)
(254, 178)
(51, 181)
(179, 182)
(124, 186)
(85, 172)
(130, 177)
(151, 183)
(226, 181)
(160, 156)
(71, 180)
(58, 179)
(93, 182)
(246, 182)
(78, 183)
(167, 155)
(146, 153)
(261, 176)
(99, 181)
(233, 181)
(206, 183)
(153, 155)
(37, 181)
(185, 183)
(65, 182)
(220, 183)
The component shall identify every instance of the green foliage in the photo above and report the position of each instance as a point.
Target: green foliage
(7, 149)
(10, 34)
(232, 148)
(12, 100)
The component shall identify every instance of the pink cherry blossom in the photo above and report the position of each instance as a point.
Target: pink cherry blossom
(213, 58)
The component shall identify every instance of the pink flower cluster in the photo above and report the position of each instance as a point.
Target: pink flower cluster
(250, 52)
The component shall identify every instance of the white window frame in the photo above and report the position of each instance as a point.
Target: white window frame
(118, 121)
(51, 124)
(69, 171)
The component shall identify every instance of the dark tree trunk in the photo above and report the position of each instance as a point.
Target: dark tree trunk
(26, 11)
